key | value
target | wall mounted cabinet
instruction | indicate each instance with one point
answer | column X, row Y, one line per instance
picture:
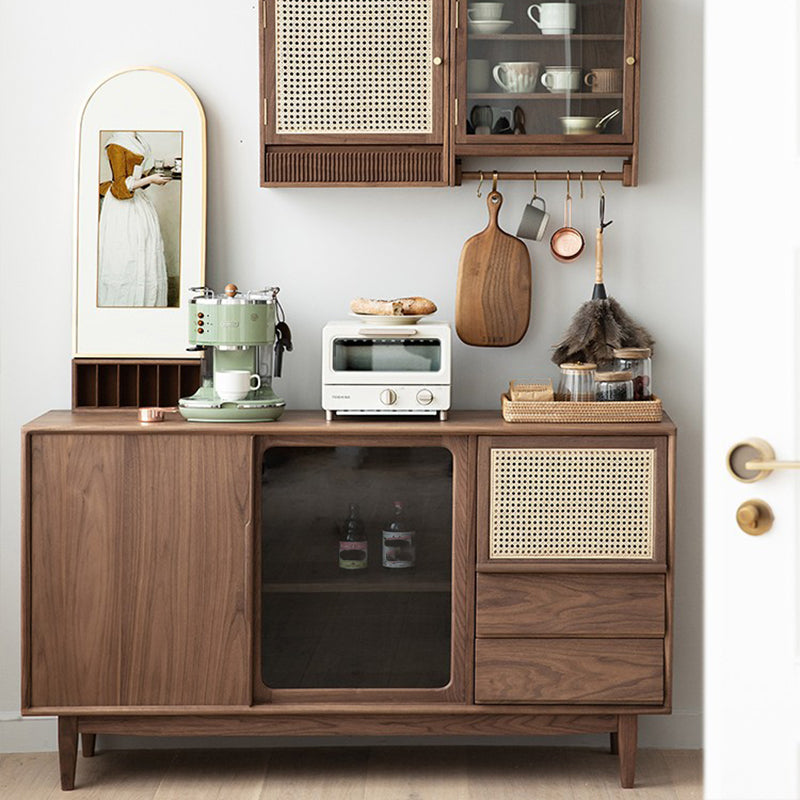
column 384, row 92
column 183, row 578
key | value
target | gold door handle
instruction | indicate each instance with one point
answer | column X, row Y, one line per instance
column 754, row 459
column 754, row 517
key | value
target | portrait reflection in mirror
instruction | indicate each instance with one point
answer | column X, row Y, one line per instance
column 140, row 219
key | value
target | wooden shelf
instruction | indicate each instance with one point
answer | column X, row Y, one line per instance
column 543, row 96
column 329, row 578
column 538, row 37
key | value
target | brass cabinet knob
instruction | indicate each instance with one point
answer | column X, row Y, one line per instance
column 630, row 61
column 437, row 61
column 754, row 517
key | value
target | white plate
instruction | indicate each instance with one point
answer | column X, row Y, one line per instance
column 489, row 25
column 385, row 319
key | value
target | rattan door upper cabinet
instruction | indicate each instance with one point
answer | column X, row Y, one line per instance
column 586, row 502
column 549, row 79
column 353, row 92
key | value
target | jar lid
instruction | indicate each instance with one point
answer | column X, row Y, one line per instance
column 612, row 377
column 633, row 352
column 578, row 367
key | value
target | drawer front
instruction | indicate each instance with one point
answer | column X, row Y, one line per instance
column 569, row 671
column 570, row 605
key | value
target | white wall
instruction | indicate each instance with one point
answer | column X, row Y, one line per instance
column 325, row 246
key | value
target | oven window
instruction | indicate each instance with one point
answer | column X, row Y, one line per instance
column 387, row 355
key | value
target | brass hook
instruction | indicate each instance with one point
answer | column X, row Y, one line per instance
column 599, row 177
column 581, row 184
column 494, row 181
column 535, row 193
column 480, row 183
column 568, row 194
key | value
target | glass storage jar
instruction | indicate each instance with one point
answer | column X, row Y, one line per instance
column 637, row 361
column 613, row 386
column 577, row 383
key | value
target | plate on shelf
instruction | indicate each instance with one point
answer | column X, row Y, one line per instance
column 489, row 26
column 385, row 319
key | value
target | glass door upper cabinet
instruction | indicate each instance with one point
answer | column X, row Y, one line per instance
column 556, row 72
column 354, row 71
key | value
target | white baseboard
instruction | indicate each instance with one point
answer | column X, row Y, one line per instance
column 682, row 730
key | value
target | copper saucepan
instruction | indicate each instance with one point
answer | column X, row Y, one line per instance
column 567, row 243
column 154, row 413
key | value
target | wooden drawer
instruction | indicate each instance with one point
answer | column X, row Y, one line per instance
column 569, row 671
column 570, row 605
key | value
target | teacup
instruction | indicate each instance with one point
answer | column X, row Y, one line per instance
column 517, row 77
column 606, row 80
column 482, row 12
column 534, row 220
column 234, row 384
column 554, row 18
column 478, row 75
column 562, row 79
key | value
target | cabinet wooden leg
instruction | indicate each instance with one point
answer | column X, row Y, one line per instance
column 614, row 743
column 67, row 750
column 627, row 728
column 87, row 744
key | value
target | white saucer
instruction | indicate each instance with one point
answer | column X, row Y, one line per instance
column 489, row 26
column 385, row 319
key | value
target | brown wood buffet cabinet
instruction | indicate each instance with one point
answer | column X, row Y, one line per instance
column 400, row 92
column 184, row 579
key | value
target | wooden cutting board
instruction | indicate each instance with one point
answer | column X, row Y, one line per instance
column 493, row 296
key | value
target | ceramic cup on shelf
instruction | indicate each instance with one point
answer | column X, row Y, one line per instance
column 554, row 18
column 478, row 75
column 517, row 77
column 604, row 80
column 562, row 79
column 484, row 12
column 481, row 118
column 234, row 384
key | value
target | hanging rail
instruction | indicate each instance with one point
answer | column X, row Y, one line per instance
column 476, row 175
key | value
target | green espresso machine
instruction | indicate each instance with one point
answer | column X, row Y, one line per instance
column 237, row 332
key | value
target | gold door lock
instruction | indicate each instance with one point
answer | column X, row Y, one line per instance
column 754, row 517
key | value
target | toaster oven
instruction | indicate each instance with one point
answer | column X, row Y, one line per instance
column 386, row 369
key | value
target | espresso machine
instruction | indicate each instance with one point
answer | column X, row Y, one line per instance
column 243, row 337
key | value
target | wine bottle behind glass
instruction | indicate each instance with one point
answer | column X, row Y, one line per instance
column 353, row 545
column 399, row 546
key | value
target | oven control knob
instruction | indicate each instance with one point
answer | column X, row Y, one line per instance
column 388, row 397
column 424, row 397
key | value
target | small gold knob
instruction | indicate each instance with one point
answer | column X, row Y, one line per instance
column 754, row 517
column 437, row 61
column 630, row 61
column 231, row 289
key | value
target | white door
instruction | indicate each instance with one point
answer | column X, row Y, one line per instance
column 752, row 264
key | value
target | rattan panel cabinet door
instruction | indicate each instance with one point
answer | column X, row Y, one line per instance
column 137, row 575
column 587, row 500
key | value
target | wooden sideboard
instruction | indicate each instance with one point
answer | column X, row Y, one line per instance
column 181, row 578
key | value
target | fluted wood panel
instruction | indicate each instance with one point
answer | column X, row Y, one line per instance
column 362, row 166
column 139, row 570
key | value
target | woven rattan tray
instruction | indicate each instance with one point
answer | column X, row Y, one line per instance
column 630, row 411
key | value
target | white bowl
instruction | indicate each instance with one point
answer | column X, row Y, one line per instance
column 489, row 25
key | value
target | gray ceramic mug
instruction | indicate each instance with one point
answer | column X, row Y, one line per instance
column 534, row 220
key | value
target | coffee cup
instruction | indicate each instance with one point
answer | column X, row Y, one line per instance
column 562, row 79
column 483, row 12
column 534, row 220
column 517, row 77
column 478, row 75
column 554, row 18
column 606, row 80
column 234, row 384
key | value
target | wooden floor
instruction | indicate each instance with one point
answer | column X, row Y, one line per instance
column 377, row 773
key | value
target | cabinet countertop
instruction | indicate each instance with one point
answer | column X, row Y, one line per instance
column 293, row 423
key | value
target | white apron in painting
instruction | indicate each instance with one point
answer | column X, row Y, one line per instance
column 132, row 269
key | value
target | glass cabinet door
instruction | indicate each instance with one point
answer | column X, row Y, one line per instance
column 356, row 568
column 556, row 72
